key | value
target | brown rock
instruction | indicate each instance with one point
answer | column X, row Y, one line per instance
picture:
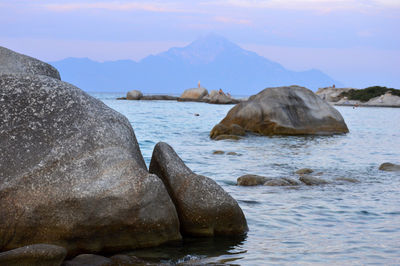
column 252, row 180
column 304, row 171
column 232, row 137
column 312, row 181
column 389, row 167
column 204, row 208
column 284, row 111
column 218, row 152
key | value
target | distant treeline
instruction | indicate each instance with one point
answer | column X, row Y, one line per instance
column 364, row 95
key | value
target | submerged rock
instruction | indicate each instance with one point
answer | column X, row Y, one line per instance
column 312, row 181
column 32, row 255
column 347, row 179
column 218, row 152
column 134, row 95
column 284, row 111
column 389, row 167
column 252, row 180
column 15, row 63
column 304, row 171
column 72, row 174
column 204, row 208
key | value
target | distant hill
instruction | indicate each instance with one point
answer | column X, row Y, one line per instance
column 215, row 61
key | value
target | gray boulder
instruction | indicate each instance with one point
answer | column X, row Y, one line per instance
column 134, row 95
column 389, row 167
column 304, row 171
column 204, row 208
column 38, row 254
column 14, row 63
column 72, row 174
column 290, row 110
column 216, row 98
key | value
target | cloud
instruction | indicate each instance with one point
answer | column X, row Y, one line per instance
column 115, row 6
column 316, row 5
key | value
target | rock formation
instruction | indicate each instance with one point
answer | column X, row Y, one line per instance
column 204, row 208
column 72, row 174
column 194, row 94
column 290, row 110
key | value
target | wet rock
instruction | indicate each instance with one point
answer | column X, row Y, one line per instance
column 121, row 98
column 389, row 167
column 232, row 153
column 221, row 129
column 252, row 180
column 88, row 259
column 194, row 94
column 231, row 137
column 291, row 181
column 72, row 174
column 204, row 208
column 304, row 171
column 290, row 110
column 218, row 152
column 347, row 179
column 312, row 181
column 32, row 255
column 134, row 95
column 282, row 182
column 15, row 63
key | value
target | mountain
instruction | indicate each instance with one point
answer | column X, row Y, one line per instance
column 215, row 61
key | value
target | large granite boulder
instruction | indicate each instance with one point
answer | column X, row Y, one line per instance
column 220, row 98
column 34, row 255
column 194, row 94
column 204, row 208
column 12, row 63
column 290, row 110
column 134, row 95
column 72, row 174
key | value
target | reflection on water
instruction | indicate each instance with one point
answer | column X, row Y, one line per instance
column 341, row 223
column 195, row 250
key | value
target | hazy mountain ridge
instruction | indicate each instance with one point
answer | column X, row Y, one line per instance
column 215, row 61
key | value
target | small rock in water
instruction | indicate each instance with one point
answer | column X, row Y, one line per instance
column 304, row 171
column 232, row 153
column 312, row 181
column 277, row 182
column 218, row 152
column 252, row 180
column 196, row 114
column 347, row 179
column 389, row 167
column 291, row 181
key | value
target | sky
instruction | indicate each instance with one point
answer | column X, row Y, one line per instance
column 356, row 42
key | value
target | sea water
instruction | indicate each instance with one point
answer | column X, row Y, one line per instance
column 340, row 223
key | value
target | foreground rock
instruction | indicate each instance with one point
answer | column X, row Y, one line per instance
column 15, row 63
column 204, row 208
column 72, row 174
column 194, row 94
column 284, row 111
column 134, row 95
column 38, row 254
column 389, row 167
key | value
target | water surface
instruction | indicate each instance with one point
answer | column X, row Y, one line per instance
column 344, row 224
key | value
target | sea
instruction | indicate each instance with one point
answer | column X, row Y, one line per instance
column 341, row 223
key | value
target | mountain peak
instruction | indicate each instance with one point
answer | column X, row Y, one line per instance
column 203, row 50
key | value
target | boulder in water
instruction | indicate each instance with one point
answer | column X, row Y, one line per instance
column 290, row 110
column 72, row 174
column 204, row 208
column 312, row 181
column 194, row 94
column 134, row 95
column 252, row 180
